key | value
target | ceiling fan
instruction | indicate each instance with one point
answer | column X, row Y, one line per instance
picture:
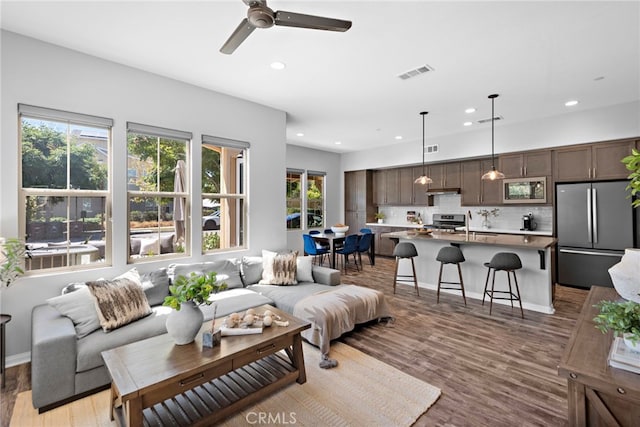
column 261, row 16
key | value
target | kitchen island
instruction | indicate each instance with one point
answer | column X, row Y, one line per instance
column 535, row 279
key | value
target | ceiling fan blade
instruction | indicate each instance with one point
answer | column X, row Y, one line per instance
column 290, row 19
column 238, row 36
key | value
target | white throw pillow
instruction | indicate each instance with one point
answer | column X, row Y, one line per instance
column 304, row 269
column 149, row 247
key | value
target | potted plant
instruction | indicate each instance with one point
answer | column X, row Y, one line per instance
column 380, row 217
column 485, row 214
column 186, row 294
column 632, row 162
column 11, row 258
column 621, row 317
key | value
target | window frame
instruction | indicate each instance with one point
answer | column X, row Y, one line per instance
column 304, row 199
column 170, row 134
column 239, row 223
column 70, row 119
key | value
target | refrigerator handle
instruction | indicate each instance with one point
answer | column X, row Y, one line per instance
column 589, row 223
column 595, row 215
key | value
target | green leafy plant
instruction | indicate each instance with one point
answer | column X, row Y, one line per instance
column 210, row 241
column 379, row 215
column 486, row 213
column 632, row 162
column 13, row 251
column 619, row 317
column 195, row 287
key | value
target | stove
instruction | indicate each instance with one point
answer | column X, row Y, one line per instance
column 447, row 222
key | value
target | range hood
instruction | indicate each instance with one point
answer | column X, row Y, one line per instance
column 439, row 191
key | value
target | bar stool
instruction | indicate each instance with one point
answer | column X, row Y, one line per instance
column 503, row 261
column 450, row 255
column 405, row 250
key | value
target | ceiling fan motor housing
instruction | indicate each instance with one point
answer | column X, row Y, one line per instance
column 261, row 16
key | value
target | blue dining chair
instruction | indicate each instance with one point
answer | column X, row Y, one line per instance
column 312, row 232
column 366, row 231
column 350, row 247
column 364, row 245
column 310, row 248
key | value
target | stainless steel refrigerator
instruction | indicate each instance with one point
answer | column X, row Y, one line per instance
column 594, row 223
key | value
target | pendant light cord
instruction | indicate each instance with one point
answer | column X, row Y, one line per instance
column 424, row 113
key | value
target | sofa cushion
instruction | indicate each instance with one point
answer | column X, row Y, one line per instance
column 228, row 271
column 156, row 285
column 251, row 270
column 149, row 246
column 304, row 269
column 90, row 347
column 119, row 302
column 278, row 268
column 78, row 306
column 77, row 303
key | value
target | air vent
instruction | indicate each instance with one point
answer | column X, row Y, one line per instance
column 415, row 72
column 489, row 119
column 428, row 149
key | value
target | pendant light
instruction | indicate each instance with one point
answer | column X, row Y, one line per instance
column 493, row 174
column 423, row 179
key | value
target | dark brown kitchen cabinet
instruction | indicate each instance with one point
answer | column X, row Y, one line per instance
column 387, row 187
column 358, row 199
column 527, row 164
column 444, row 175
column 592, row 162
column 475, row 191
column 405, row 186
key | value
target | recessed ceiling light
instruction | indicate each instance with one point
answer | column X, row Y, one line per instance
column 399, row 137
column 338, row 142
column 467, row 123
column 278, row 65
column 571, row 103
column 470, row 110
column 299, row 134
column 599, row 78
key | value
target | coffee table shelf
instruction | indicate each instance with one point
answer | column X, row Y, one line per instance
column 221, row 397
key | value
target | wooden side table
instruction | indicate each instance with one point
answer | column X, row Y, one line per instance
column 4, row 318
column 598, row 394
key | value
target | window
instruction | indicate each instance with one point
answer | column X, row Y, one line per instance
column 64, row 188
column 157, row 191
column 294, row 199
column 311, row 201
column 224, row 215
column 315, row 199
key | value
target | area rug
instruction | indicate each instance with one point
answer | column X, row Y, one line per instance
column 360, row 391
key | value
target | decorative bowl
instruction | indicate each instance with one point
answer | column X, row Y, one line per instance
column 340, row 230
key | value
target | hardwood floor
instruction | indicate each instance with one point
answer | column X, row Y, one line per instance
column 497, row 370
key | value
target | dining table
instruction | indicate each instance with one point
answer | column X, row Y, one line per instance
column 336, row 241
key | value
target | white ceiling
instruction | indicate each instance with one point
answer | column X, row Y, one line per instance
column 344, row 86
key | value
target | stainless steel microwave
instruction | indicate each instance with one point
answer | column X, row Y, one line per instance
column 525, row 190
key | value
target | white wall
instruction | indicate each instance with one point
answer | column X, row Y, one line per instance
column 317, row 160
column 45, row 75
column 613, row 122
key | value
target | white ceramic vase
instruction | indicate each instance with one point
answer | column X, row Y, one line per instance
column 625, row 275
column 183, row 325
column 630, row 344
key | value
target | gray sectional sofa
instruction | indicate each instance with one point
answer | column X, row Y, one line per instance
column 66, row 361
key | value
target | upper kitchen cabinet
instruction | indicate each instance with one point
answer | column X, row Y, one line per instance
column 444, row 176
column 393, row 187
column 420, row 196
column 475, row 191
column 527, row 164
column 358, row 190
column 592, row 162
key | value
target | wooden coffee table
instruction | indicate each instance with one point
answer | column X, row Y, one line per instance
column 156, row 382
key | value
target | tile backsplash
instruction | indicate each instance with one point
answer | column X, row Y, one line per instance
column 509, row 217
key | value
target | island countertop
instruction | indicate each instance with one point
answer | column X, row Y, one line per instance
column 509, row 240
